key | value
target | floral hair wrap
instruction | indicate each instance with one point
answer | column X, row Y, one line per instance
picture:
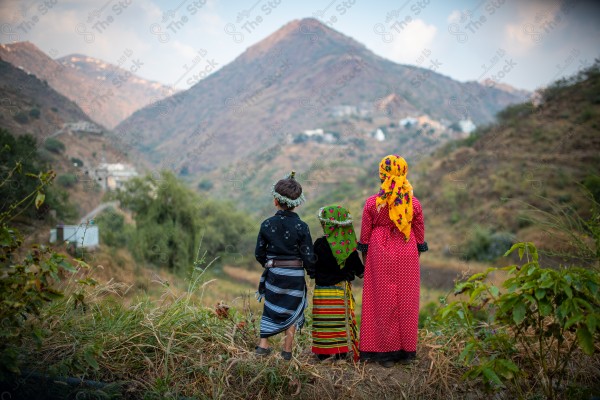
column 337, row 225
column 286, row 200
column 396, row 192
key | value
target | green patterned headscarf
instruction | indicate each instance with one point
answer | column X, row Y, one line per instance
column 337, row 224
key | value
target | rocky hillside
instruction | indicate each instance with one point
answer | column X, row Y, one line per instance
column 107, row 93
column 477, row 190
column 305, row 76
column 30, row 105
column 68, row 141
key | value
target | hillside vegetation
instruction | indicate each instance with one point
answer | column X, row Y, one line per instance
column 485, row 189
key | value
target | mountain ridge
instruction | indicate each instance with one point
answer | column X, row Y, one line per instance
column 106, row 102
column 297, row 76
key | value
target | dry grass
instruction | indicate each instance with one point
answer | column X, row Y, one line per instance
column 174, row 345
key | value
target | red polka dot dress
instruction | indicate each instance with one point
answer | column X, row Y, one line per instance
column 390, row 309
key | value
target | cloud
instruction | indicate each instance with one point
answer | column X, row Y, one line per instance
column 412, row 40
column 532, row 21
column 184, row 50
column 454, row 17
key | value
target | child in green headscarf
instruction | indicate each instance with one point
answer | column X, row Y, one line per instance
column 334, row 329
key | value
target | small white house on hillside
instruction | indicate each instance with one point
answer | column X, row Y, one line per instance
column 83, row 235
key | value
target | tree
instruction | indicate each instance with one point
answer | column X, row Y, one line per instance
column 171, row 220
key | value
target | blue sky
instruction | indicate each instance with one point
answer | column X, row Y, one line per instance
column 526, row 44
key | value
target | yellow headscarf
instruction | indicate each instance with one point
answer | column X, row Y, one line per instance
column 397, row 192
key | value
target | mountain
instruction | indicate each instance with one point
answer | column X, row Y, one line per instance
column 304, row 76
column 106, row 92
column 77, row 146
column 30, row 105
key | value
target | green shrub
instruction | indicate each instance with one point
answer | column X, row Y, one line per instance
column 54, row 145
column 67, row 180
column 27, row 283
column 113, row 231
column 514, row 112
column 592, row 183
column 21, row 117
column 205, row 184
column 76, row 162
column 35, row 113
column 485, row 245
column 549, row 313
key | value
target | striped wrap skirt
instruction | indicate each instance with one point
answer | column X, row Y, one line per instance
column 284, row 292
column 334, row 328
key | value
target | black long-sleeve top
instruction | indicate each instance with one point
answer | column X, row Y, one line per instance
column 327, row 270
column 285, row 236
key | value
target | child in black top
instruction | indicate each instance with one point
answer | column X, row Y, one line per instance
column 284, row 248
column 334, row 325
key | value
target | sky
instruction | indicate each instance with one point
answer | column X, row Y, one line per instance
column 525, row 44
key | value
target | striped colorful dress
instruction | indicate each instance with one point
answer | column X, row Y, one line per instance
column 334, row 329
column 283, row 236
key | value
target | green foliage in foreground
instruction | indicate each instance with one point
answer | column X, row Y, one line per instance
column 20, row 164
column 27, row 282
column 172, row 222
column 549, row 314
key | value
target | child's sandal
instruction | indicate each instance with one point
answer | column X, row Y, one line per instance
column 261, row 351
column 287, row 355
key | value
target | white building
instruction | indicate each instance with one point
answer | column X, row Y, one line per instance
column 379, row 135
column 82, row 126
column 466, row 125
column 83, row 235
column 113, row 176
column 408, row 122
column 343, row 110
column 313, row 132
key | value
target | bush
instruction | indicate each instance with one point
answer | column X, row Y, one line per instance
column 27, row 283
column 301, row 138
column 21, row 117
column 67, row 180
column 592, row 183
column 547, row 313
column 34, row 113
column 76, row 162
column 205, row 184
column 113, row 231
column 485, row 245
column 514, row 112
column 54, row 145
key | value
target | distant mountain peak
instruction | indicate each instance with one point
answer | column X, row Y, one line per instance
column 108, row 92
column 20, row 45
column 301, row 32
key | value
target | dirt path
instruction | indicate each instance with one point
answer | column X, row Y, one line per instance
column 97, row 210
column 431, row 277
